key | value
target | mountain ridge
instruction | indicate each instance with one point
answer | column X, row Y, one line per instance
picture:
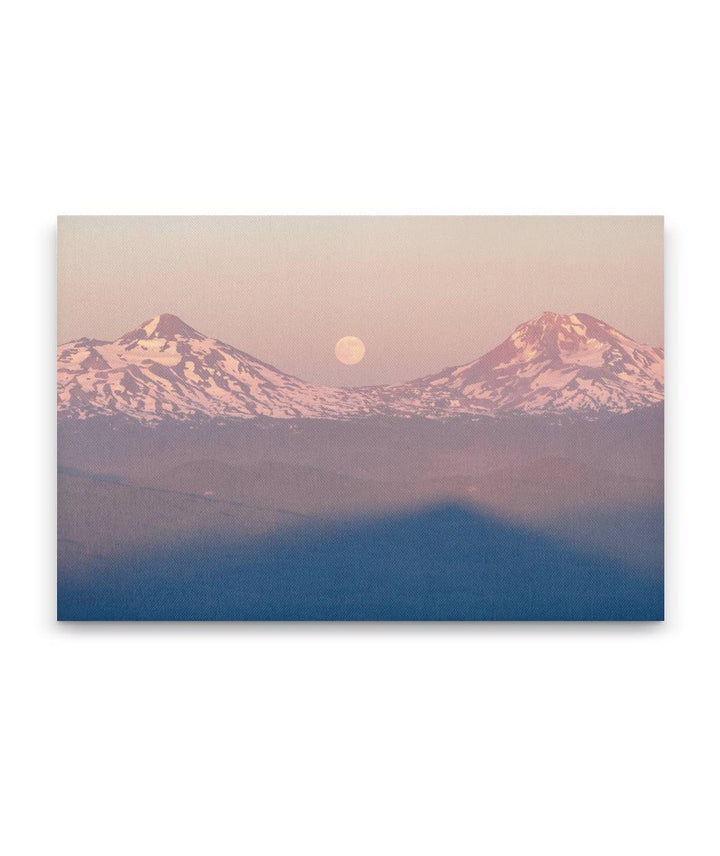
column 165, row 369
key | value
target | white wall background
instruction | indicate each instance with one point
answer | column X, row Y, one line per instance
column 359, row 739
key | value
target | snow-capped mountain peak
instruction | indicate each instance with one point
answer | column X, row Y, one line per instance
column 166, row 369
column 165, row 326
column 557, row 363
column 565, row 335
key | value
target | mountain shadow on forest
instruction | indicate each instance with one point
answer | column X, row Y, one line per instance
column 442, row 563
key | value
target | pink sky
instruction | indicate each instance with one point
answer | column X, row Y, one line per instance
column 421, row 292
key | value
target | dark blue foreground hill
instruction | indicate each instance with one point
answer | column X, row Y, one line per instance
column 445, row 563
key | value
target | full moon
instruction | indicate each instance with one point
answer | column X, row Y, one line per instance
column 350, row 350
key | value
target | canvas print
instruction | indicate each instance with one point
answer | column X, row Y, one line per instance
column 360, row 418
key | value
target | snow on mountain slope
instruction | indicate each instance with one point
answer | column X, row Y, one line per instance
column 553, row 364
column 165, row 369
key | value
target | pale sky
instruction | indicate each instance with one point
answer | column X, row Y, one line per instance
column 422, row 293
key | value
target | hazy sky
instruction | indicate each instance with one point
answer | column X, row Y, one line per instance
column 422, row 293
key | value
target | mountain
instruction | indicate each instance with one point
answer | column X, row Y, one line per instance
column 552, row 364
column 165, row 369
